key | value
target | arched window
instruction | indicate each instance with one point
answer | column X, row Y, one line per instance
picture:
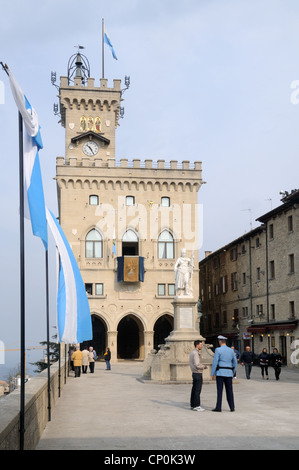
column 165, row 245
column 94, row 244
column 130, row 244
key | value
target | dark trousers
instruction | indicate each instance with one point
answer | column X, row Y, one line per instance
column 91, row 367
column 77, row 371
column 228, row 383
column 264, row 369
column 277, row 371
column 196, row 390
column 248, row 367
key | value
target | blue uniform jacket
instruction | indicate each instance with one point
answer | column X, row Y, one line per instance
column 224, row 357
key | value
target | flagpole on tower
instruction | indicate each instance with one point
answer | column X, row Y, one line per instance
column 106, row 39
column 103, row 76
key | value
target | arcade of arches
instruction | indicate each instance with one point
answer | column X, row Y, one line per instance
column 130, row 336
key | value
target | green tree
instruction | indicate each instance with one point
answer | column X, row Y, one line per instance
column 53, row 353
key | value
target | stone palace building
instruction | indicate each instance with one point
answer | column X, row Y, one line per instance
column 126, row 221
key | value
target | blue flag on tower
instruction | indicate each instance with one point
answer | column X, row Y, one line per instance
column 107, row 41
column 114, row 243
column 74, row 319
column 34, row 202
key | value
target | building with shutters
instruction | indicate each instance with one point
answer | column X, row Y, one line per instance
column 249, row 288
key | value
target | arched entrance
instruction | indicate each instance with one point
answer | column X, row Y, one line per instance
column 162, row 328
column 99, row 336
column 130, row 338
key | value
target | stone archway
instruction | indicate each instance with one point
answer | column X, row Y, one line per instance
column 130, row 338
column 99, row 336
column 162, row 328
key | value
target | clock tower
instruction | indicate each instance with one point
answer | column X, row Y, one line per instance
column 126, row 221
column 89, row 114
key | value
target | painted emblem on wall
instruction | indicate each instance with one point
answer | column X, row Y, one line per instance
column 90, row 124
column 131, row 269
column 83, row 126
column 97, row 124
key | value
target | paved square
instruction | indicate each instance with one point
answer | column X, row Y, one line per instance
column 113, row 410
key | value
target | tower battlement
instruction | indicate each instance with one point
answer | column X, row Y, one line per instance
column 170, row 176
column 125, row 163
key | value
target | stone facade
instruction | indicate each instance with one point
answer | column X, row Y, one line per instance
column 249, row 289
column 143, row 210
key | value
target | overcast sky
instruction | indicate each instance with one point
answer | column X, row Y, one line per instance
column 211, row 80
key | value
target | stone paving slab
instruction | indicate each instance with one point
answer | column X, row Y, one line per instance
column 114, row 410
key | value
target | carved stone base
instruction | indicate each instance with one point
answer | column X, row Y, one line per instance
column 171, row 363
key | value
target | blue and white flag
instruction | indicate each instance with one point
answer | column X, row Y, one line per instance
column 74, row 319
column 107, row 41
column 34, row 203
column 114, row 243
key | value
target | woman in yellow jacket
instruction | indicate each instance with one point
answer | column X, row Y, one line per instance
column 77, row 357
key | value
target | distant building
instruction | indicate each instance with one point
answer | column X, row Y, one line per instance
column 4, row 388
column 249, row 289
column 126, row 221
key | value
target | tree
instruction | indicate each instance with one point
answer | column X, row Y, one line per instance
column 54, row 355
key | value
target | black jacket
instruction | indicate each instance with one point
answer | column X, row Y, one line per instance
column 276, row 360
column 264, row 359
column 247, row 356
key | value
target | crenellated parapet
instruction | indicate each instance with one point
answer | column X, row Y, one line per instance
column 90, row 97
column 89, row 173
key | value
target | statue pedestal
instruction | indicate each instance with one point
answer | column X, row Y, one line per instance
column 171, row 362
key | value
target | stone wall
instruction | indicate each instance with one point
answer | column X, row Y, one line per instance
column 36, row 409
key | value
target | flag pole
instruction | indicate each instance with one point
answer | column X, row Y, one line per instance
column 22, row 284
column 22, row 277
column 48, row 335
column 103, row 76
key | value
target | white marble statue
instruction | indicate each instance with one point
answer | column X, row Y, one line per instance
column 183, row 275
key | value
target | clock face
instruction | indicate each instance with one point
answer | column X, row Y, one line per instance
column 90, row 148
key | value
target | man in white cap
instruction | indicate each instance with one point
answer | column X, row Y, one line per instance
column 223, row 367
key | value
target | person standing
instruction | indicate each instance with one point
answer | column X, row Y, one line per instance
column 264, row 363
column 77, row 358
column 107, row 357
column 238, row 355
column 247, row 358
column 197, row 368
column 276, row 362
column 91, row 359
column 85, row 360
column 224, row 367
column 72, row 349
